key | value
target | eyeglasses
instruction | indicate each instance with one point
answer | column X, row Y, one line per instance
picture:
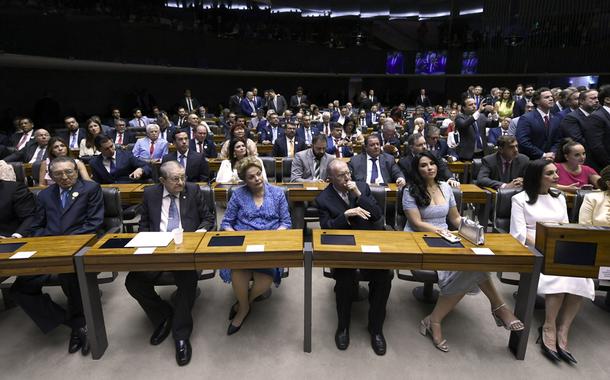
column 67, row 173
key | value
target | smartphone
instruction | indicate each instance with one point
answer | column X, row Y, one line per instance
column 588, row 186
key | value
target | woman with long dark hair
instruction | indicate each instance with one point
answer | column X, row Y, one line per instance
column 505, row 105
column 228, row 167
column 571, row 168
column 539, row 202
column 58, row 148
column 87, row 145
column 428, row 204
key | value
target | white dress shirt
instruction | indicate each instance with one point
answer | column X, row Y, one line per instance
column 165, row 210
column 369, row 169
column 107, row 162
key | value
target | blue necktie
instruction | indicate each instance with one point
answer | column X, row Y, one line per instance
column 182, row 163
column 112, row 166
column 477, row 136
column 173, row 217
column 64, row 198
column 374, row 172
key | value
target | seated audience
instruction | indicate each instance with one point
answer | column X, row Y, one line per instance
column 389, row 138
column 34, row 151
column 116, row 166
column 58, row 148
column 439, row 146
column 289, row 144
column 310, row 165
column 571, row 168
column 238, row 131
column 195, row 164
column 121, row 135
column 374, row 166
column 202, row 143
column 429, row 205
column 505, row 168
column 24, row 134
column 439, row 113
column 150, row 148
column 256, row 206
column 74, row 134
column 227, row 173
column 594, row 208
column 87, row 146
column 337, row 144
column 416, row 143
column 563, row 295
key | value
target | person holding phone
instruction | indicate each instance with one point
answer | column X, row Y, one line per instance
column 573, row 173
column 472, row 125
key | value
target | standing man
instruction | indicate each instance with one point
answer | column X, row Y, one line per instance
column 311, row 165
column 375, row 167
column 248, row 106
column 68, row 207
column 195, row 164
column 189, row 103
column 298, row 100
column 597, row 132
column 538, row 131
column 472, row 125
column 166, row 206
column 235, row 101
column 519, row 107
column 346, row 204
column 422, row 100
column 276, row 102
column 573, row 124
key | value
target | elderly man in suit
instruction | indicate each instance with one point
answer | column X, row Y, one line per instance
column 290, row 144
column 150, row 148
column 310, row 165
column 346, row 204
column 195, row 164
column 597, row 132
column 68, row 207
column 121, row 135
column 248, row 106
column 472, row 125
column 172, row 204
column 116, row 166
column 74, row 133
column 538, row 131
column 18, row 206
column 202, row 144
column 373, row 166
column 35, row 151
column 505, row 168
column 573, row 124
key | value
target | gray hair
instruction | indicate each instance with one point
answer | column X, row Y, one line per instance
column 150, row 126
column 167, row 166
column 59, row 160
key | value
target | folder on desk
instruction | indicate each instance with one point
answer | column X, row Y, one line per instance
column 115, row 243
column 150, row 239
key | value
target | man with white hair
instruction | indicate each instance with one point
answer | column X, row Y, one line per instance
column 35, row 151
column 248, row 107
column 150, row 148
column 388, row 138
column 325, row 127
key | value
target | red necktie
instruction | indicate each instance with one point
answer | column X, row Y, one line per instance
column 152, row 149
column 337, row 149
column 120, row 139
column 22, row 141
column 546, row 121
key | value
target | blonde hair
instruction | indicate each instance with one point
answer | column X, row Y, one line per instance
column 246, row 163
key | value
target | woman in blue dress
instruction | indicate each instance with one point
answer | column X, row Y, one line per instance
column 256, row 206
column 428, row 204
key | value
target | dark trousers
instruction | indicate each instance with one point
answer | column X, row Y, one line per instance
column 380, row 283
column 27, row 293
column 141, row 286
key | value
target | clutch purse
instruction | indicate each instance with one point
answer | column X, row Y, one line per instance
column 472, row 231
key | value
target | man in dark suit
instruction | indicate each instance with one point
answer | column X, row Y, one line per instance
column 121, row 135
column 116, row 166
column 289, row 144
column 494, row 133
column 202, row 144
column 597, row 132
column 336, row 144
column 422, row 99
column 472, row 125
column 180, row 119
column 519, row 107
column 25, row 134
column 573, row 124
column 505, row 168
column 35, row 151
column 372, row 117
column 247, row 105
column 271, row 131
column 18, row 206
column 439, row 146
column 362, row 121
column 258, row 101
column 115, row 114
column 416, row 143
column 166, row 206
column 298, row 100
column 235, row 101
column 306, row 131
column 345, row 204
column 276, row 102
column 74, row 133
column 571, row 103
column 373, row 166
column 195, row 164
column 538, row 131
column 189, row 103
column 372, row 97
column 68, row 207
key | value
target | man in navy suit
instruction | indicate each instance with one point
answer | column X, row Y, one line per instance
column 271, row 131
column 258, row 101
column 336, row 144
column 276, row 102
column 68, row 207
column 373, row 166
column 74, row 134
column 346, row 204
column 248, row 107
column 189, row 103
column 307, row 131
column 172, row 204
column 597, row 132
column 372, row 118
column 571, row 103
column 121, row 135
column 34, row 151
column 116, row 166
column 538, row 131
column 235, row 101
column 202, row 144
column 439, row 146
column 519, row 107
column 495, row 133
column 422, row 99
column 573, row 124
column 289, row 144
column 195, row 164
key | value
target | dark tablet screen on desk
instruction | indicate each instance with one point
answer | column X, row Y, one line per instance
column 338, row 239
column 10, row 247
column 226, row 241
column 575, row 253
column 439, row 242
column 115, row 243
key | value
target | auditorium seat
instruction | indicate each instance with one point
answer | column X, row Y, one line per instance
column 501, row 222
column 286, row 169
column 269, row 163
column 580, row 196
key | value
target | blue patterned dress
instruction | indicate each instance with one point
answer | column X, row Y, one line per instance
column 242, row 214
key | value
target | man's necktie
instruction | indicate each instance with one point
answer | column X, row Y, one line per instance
column 152, row 149
column 119, row 139
column 173, row 217
column 316, row 169
column 275, row 103
column 290, row 147
column 189, row 103
column 200, row 147
column 477, row 136
column 40, row 154
column 112, row 166
column 504, row 132
column 308, row 136
column 546, row 121
column 374, row 171
column 273, row 134
column 181, row 160
column 22, row 142
column 73, row 141
column 506, row 171
column 337, row 149
column 140, row 123
column 64, row 198
column 252, row 106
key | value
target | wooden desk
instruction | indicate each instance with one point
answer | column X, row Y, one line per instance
column 54, row 254
column 89, row 262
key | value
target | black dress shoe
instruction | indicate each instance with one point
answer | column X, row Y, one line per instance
column 342, row 339
column 183, row 352
column 566, row 355
column 161, row 332
column 378, row 343
column 78, row 341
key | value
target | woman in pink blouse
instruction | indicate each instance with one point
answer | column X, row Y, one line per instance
column 573, row 173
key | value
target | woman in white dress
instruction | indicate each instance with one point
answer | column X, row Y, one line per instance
column 563, row 295
column 227, row 172
column 87, row 145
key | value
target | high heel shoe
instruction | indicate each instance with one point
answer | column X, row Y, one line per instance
column 515, row 325
column 425, row 329
column 566, row 355
column 233, row 312
column 233, row 329
column 550, row 354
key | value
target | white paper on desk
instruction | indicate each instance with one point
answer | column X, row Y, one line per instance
column 311, row 188
column 370, row 248
column 150, row 239
column 145, row 251
column 482, row 251
column 604, row 273
column 23, row 255
column 255, row 248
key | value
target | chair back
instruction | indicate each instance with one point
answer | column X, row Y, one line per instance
column 269, row 163
column 503, row 209
column 379, row 193
column 208, row 199
column 580, row 196
column 36, row 172
column 286, row 169
column 475, row 167
column 113, row 212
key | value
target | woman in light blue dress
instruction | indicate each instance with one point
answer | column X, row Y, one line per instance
column 256, row 206
column 428, row 204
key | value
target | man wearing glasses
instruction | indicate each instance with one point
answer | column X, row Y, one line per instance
column 70, row 206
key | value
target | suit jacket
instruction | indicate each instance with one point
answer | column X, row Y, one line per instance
column 129, row 137
column 179, row 122
column 281, row 105
column 209, row 148
column 389, row 170
column 195, row 103
column 370, row 121
column 442, row 149
column 280, row 147
column 84, row 212
column 294, row 102
column 466, row 126
column 424, row 103
column 125, row 164
column 245, row 108
column 405, row 165
column 18, row 207
column 563, row 113
column 494, row 134
column 168, row 134
column 573, row 125
column 235, row 104
column 133, row 123
column 519, row 107
column 66, row 136
column 26, row 154
column 303, row 166
column 197, row 168
column 301, row 132
column 490, row 174
column 194, row 213
column 332, row 209
column 533, row 137
column 556, row 108
column 266, row 133
column 16, row 137
column 597, row 136
column 331, row 148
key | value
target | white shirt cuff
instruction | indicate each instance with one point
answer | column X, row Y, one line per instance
column 476, row 115
column 17, row 235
